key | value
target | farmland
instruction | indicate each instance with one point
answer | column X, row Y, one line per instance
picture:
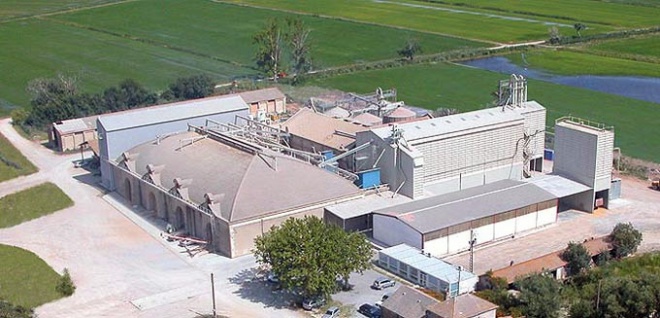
column 452, row 86
column 568, row 62
column 11, row 9
column 645, row 47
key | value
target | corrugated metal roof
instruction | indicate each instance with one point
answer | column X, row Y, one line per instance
column 428, row 264
column 558, row 186
column 478, row 119
column 439, row 212
column 366, row 205
column 170, row 112
column 75, row 125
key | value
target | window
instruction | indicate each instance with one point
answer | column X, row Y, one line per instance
column 403, row 269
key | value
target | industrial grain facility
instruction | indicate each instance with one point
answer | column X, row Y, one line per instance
column 121, row 131
column 222, row 189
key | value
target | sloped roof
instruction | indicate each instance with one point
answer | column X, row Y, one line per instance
column 322, row 129
column 408, row 302
column 250, row 185
column 428, row 264
column 368, row 119
column 439, row 212
column 463, row 306
column 75, row 125
column 171, row 112
column 261, row 95
column 402, row 112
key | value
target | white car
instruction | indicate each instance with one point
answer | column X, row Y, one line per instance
column 332, row 312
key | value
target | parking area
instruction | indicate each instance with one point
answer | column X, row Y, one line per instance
column 362, row 292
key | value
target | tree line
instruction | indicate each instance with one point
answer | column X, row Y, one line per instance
column 60, row 98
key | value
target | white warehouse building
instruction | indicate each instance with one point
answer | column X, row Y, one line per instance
column 446, row 224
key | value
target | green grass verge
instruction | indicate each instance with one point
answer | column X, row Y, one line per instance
column 32, row 203
column 462, row 21
column 25, row 279
column 564, row 62
column 13, row 156
column 10, row 9
column 453, row 86
column 225, row 31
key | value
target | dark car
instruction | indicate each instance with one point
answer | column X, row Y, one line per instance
column 382, row 282
column 370, row 311
column 314, row 302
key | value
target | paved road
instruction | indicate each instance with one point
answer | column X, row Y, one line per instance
column 118, row 266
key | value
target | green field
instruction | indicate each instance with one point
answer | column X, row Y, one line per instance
column 565, row 62
column 25, row 279
column 11, row 154
column 623, row 14
column 453, row 86
column 472, row 23
column 10, row 9
column 32, row 203
column 648, row 47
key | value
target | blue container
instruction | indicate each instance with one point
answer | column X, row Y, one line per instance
column 549, row 154
column 369, row 178
column 327, row 154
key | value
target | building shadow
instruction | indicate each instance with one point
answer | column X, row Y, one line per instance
column 254, row 287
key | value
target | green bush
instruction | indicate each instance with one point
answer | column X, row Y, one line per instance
column 65, row 286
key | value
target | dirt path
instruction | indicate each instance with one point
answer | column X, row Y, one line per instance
column 115, row 263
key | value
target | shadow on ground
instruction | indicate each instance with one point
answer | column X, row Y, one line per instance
column 254, row 287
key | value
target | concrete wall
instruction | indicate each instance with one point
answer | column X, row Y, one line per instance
column 391, row 231
column 575, row 154
column 114, row 143
column 72, row 141
column 464, row 181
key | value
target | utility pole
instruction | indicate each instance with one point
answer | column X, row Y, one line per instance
column 213, row 294
column 472, row 242
column 598, row 297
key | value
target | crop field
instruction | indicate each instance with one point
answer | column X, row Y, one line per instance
column 154, row 42
column 463, row 88
column 498, row 21
column 647, row 47
column 12, row 9
column 566, row 62
column 25, row 279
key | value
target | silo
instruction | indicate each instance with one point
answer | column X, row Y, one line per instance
column 401, row 114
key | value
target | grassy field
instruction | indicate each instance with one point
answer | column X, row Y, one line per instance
column 11, row 154
column 648, row 46
column 225, row 31
column 565, row 62
column 25, row 279
column 453, row 86
column 10, row 9
column 32, row 203
column 464, row 21
column 625, row 14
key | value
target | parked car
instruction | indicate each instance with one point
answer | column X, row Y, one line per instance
column 332, row 312
column 370, row 311
column 383, row 282
column 314, row 302
column 382, row 299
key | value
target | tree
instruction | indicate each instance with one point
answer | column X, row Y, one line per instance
column 555, row 36
column 297, row 38
column 51, row 100
column 577, row 257
column 410, row 49
column 269, row 48
column 192, row 87
column 625, row 239
column 579, row 27
column 65, row 285
column 539, row 296
column 307, row 255
column 442, row 112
